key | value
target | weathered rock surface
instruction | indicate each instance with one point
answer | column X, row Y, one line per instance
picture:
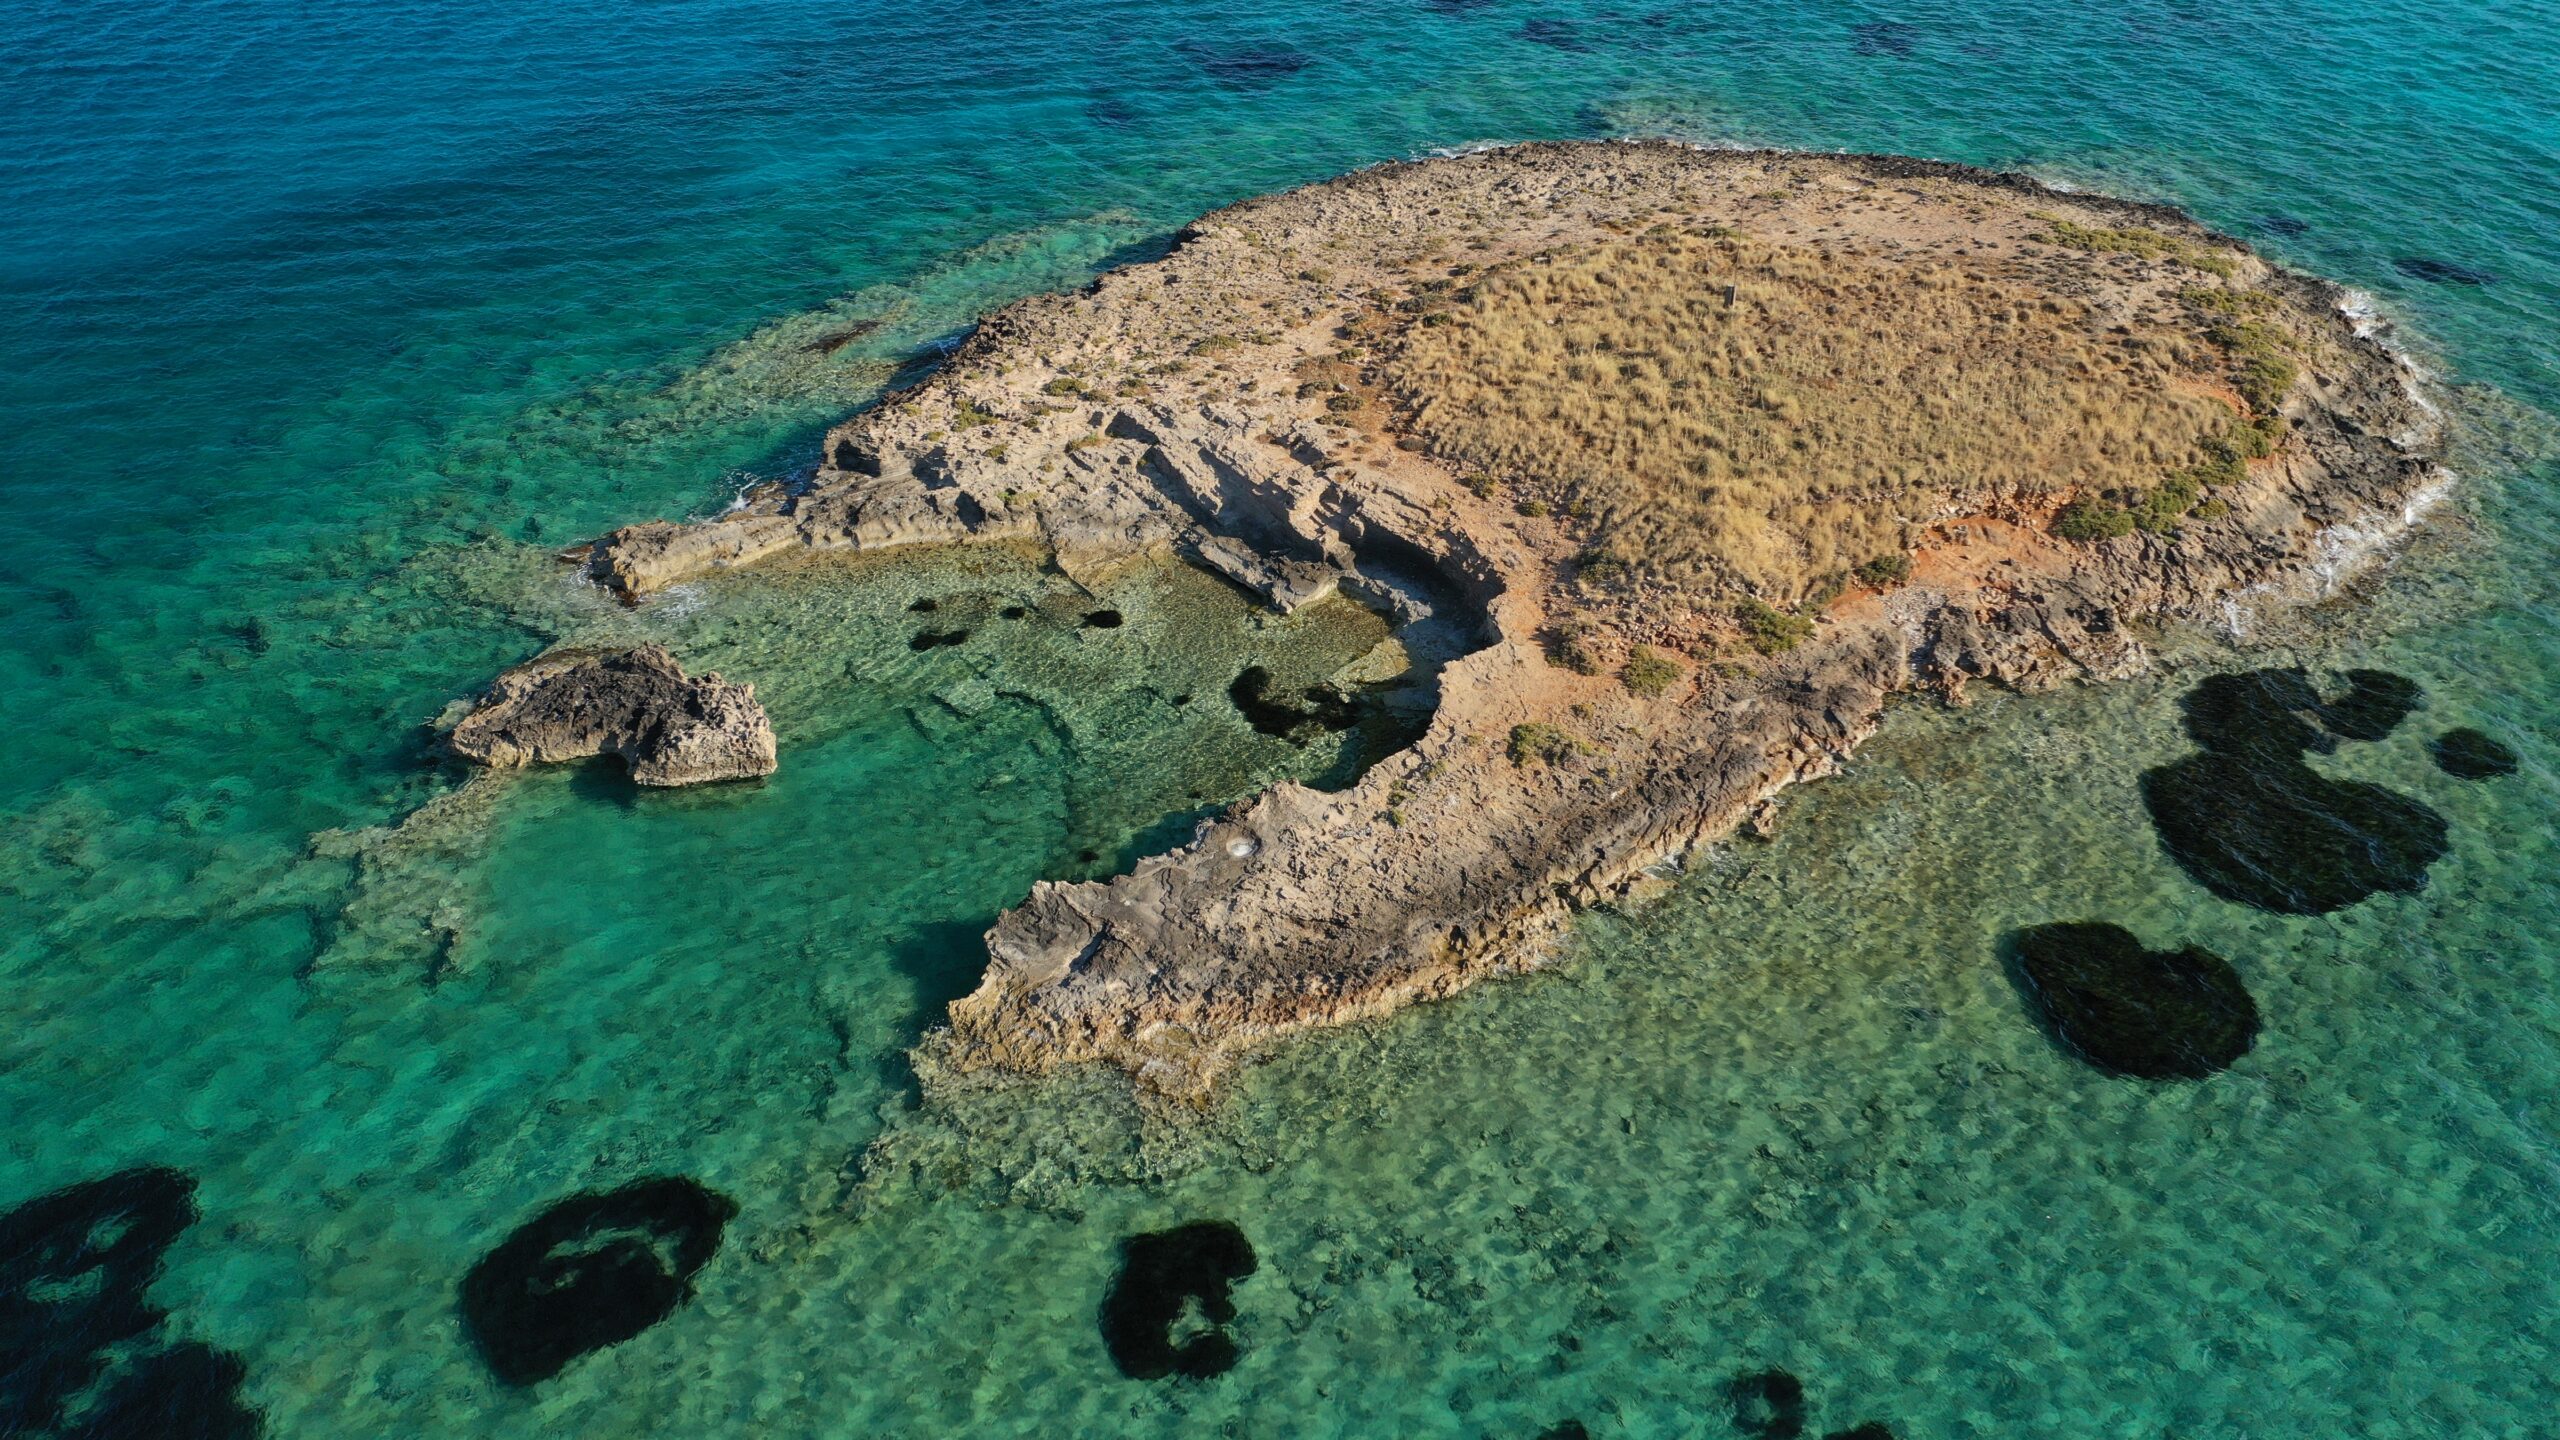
column 1163, row 410
column 669, row 728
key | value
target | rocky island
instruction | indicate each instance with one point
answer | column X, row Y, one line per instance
column 1705, row 454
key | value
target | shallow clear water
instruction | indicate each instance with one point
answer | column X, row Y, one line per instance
column 323, row 323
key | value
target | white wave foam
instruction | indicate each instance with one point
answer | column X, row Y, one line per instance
column 679, row 602
column 2339, row 554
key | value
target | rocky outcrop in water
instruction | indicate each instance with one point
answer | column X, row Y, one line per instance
column 1222, row 405
column 638, row 705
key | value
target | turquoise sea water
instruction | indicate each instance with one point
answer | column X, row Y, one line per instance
column 324, row 323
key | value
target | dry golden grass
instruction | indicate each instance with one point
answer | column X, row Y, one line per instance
column 1778, row 442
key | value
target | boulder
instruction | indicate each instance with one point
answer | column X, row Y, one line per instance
column 669, row 728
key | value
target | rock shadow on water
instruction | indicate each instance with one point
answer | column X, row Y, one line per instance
column 1168, row 1310
column 2130, row 1010
column 76, row 1268
column 594, row 1270
column 2248, row 819
column 2468, row 754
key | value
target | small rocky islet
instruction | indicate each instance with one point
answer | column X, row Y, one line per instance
column 1630, row 429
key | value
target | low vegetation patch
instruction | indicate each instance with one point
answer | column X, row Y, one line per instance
column 1648, row 672
column 1538, row 743
column 1768, row 444
column 1769, row 630
column 2134, row 240
column 1884, row 570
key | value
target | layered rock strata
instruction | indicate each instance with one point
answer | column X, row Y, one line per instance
column 1185, row 406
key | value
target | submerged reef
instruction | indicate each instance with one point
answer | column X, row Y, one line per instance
column 2468, row 754
column 1768, row 1404
column 2133, row 1011
column 1188, row 1270
column 2253, row 823
column 1391, row 386
column 77, row 1351
column 1320, row 707
column 2442, row 272
column 594, row 1270
column 638, row 705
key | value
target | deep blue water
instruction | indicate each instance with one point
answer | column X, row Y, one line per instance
column 321, row 322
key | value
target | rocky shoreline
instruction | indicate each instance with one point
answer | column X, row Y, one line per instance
column 1181, row 406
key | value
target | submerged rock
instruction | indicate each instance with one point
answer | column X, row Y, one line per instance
column 2468, row 754
column 1871, row 1430
column 1320, row 707
column 592, row 1271
column 2443, row 272
column 76, row 1266
column 1162, row 1275
column 1245, row 67
column 2250, row 821
column 190, row 1391
column 2150, row 1014
column 1768, row 1404
column 2374, row 705
column 1894, row 39
column 639, row 705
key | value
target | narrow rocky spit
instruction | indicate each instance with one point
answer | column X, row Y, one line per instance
column 1234, row 404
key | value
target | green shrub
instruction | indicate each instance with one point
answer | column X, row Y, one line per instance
column 2262, row 368
column 1546, row 744
column 970, row 415
column 1770, row 631
column 1572, row 650
column 2134, row 240
column 1534, row 509
column 2220, row 301
column 1067, row 385
column 1649, row 672
column 2159, row 512
column 1600, row 566
column 2090, row 520
column 1885, row 570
